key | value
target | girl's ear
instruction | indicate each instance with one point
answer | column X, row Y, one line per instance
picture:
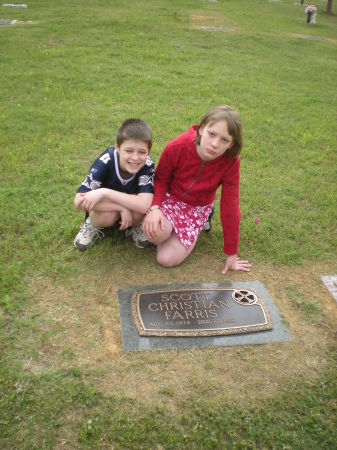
column 116, row 147
column 232, row 144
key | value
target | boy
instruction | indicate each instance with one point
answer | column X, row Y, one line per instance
column 118, row 187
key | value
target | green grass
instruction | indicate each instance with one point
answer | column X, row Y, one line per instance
column 308, row 422
column 67, row 80
column 310, row 309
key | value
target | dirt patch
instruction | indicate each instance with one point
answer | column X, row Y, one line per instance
column 210, row 23
column 78, row 325
column 218, row 29
column 312, row 37
column 197, row 17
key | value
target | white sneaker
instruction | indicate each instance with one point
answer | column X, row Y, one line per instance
column 138, row 236
column 85, row 237
column 207, row 225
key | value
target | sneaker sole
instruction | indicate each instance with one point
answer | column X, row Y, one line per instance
column 207, row 228
column 82, row 247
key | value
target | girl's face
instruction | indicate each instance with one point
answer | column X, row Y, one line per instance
column 215, row 140
column 132, row 155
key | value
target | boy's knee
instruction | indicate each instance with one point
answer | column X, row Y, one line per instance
column 101, row 220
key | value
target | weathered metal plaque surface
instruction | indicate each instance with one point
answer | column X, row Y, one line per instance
column 199, row 312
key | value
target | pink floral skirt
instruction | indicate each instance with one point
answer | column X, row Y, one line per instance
column 187, row 220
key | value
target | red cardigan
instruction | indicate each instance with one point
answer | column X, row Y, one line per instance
column 182, row 173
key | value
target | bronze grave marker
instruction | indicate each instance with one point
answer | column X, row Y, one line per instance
column 196, row 312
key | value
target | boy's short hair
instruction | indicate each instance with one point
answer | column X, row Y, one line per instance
column 134, row 129
column 229, row 115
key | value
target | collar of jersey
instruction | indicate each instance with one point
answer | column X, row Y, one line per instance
column 121, row 179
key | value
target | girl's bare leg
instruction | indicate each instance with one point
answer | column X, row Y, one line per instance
column 163, row 234
column 171, row 252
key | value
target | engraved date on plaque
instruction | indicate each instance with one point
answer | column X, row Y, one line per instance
column 199, row 312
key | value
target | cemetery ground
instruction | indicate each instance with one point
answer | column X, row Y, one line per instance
column 70, row 73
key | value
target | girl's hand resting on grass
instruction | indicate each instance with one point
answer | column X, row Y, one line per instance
column 233, row 262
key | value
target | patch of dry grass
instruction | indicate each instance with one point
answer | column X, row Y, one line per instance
column 200, row 20
column 86, row 333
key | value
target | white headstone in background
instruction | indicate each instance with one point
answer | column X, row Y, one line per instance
column 7, row 22
column 14, row 5
column 330, row 282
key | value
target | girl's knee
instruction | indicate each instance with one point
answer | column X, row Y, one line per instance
column 170, row 257
column 171, row 252
column 167, row 260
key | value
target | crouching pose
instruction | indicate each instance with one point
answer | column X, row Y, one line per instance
column 190, row 170
column 118, row 187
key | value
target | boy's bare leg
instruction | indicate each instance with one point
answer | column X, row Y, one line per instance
column 104, row 219
column 137, row 218
column 171, row 252
column 107, row 213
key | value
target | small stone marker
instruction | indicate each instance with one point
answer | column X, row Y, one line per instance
column 330, row 282
column 14, row 5
column 7, row 22
column 217, row 29
column 312, row 37
column 198, row 312
column 239, row 313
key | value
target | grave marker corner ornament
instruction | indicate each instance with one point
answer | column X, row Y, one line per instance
column 199, row 312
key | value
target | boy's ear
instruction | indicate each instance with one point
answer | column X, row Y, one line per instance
column 116, row 147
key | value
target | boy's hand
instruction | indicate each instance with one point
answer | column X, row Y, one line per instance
column 233, row 262
column 126, row 219
column 92, row 198
column 153, row 224
column 78, row 200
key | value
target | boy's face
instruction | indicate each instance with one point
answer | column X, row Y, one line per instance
column 132, row 155
column 215, row 140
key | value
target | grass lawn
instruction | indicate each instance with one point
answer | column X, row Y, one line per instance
column 70, row 72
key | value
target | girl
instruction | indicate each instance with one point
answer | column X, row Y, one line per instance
column 190, row 170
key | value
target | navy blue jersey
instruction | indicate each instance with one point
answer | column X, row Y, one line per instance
column 105, row 173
